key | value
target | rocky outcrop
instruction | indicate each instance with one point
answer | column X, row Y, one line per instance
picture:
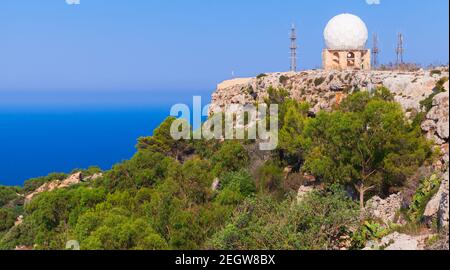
column 436, row 124
column 386, row 210
column 215, row 185
column 19, row 220
column 73, row 179
column 438, row 207
column 23, row 248
column 397, row 241
column 323, row 89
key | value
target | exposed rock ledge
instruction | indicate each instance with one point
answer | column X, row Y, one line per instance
column 397, row 241
column 322, row 89
column 73, row 179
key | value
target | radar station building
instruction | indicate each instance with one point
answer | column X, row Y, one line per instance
column 345, row 39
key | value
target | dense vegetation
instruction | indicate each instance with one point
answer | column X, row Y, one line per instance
column 162, row 198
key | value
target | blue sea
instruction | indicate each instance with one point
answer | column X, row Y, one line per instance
column 35, row 141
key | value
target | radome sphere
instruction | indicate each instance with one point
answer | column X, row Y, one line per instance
column 346, row 32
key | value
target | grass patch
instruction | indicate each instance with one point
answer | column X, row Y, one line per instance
column 435, row 72
column 260, row 76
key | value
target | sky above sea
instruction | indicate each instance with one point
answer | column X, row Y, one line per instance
column 38, row 140
column 80, row 83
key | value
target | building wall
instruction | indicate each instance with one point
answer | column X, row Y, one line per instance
column 338, row 60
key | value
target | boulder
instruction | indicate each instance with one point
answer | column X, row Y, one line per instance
column 18, row 221
column 215, row 185
column 93, row 177
column 73, row 179
column 397, row 241
column 438, row 206
column 443, row 213
column 437, row 122
column 386, row 210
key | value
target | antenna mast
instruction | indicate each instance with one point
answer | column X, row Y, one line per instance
column 400, row 49
column 293, row 49
column 375, row 51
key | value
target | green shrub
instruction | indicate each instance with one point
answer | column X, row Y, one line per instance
column 368, row 231
column 319, row 81
column 263, row 223
column 262, row 75
column 270, row 178
column 231, row 157
column 440, row 84
column 276, row 96
column 427, row 103
column 427, row 189
column 283, row 79
column 435, row 72
column 7, row 194
column 240, row 181
column 6, row 219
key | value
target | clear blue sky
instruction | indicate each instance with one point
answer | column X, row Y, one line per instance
column 165, row 46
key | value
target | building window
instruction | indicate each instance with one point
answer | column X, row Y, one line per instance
column 351, row 59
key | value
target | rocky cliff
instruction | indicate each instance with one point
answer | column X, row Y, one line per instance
column 325, row 89
column 322, row 89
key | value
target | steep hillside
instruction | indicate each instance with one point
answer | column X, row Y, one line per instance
column 353, row 170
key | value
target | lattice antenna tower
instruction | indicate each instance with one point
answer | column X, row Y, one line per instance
column 400, row 49
column 375, row 51
column 293, row 48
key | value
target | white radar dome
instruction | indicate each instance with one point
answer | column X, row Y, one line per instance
column 346, row 32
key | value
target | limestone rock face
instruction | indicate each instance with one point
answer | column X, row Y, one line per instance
column 385, row 210
column 323, row 89
column 443, row 213
column 57, row 184
column 437, row 121
column 438, row 206
column 397, row 241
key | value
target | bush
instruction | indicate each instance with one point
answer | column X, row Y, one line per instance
column 270, row 179
column 144, row 169
column 319, row 81
column 6, row 219
column 427, row 103
column 240, row 181
column 262, row 223
column 276, row 96
column 372, row 146
column 368, row 232
column 7, row 194
column 427, row 189
column 435, row 72
column 231, row 157
column 262, row 75
column 283, row 79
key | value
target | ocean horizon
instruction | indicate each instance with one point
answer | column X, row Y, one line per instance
column 36, row 140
